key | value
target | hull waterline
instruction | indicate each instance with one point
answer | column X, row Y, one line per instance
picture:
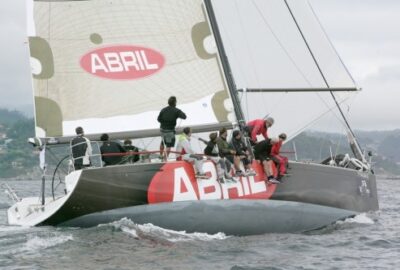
column 233, row 217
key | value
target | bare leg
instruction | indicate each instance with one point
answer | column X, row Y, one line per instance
column 236, row 162
column 267, row 167
column 167, row 151
column 161, row 148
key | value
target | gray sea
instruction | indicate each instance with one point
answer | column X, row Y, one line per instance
column 364, row 242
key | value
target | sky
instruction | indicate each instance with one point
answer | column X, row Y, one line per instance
column 364, row 32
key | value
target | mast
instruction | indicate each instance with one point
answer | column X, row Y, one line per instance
column 225, row 64
column 356, row 149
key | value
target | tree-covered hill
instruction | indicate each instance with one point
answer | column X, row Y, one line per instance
column 9, row 117
column 18, row 159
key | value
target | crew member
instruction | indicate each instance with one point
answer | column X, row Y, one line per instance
column 81, row 150
column 262, row 153
column 212, row 153
column 280, row 161
column 111, row 152
column 242, row 154
column 132, row 152
column 258, row 127
column 167, row 118
column 225, row 150
column 188, row 153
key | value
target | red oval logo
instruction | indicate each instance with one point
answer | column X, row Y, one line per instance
column 122, row 62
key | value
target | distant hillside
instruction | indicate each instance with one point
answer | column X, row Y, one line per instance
column 317, row 146
column 384, row 145
column 8, row 117
column 16, row 155
column 18, row 159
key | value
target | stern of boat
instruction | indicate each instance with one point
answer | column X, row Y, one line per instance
column 31, row 211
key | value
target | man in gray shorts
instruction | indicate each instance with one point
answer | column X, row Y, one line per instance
column 167, row 119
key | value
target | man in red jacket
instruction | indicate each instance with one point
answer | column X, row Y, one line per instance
column 258, row 127
column 280, row 161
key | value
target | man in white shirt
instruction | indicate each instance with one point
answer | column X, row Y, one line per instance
column 187, row 153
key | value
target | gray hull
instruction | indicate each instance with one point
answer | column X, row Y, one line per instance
column 311, row 196
column 233, row 217
column 330, row 186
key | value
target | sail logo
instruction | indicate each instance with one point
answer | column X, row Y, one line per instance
column 176, row 182
column 122, row 62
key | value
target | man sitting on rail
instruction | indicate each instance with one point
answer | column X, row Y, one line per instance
column 262, row 153
column 187, row 153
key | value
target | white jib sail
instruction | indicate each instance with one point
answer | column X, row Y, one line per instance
column 266, row 50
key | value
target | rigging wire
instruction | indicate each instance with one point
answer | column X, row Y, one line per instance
column 357, row 146
column 297, row 67
column 275, row 105
column 281, row 44
column 330, row 42
column 247, row 40
column 311, row 123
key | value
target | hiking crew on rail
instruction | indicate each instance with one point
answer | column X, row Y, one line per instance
column 222, row 153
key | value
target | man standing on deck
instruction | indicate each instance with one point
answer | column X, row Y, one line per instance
column 81, row 150
column 167, row 119
column 258, row 127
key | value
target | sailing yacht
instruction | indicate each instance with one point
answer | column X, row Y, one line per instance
column 110, row 66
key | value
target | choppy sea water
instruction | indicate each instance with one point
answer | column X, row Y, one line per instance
column 363, row 242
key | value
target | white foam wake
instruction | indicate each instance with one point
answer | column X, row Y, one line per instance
column 154, row 232
column 38, row 242
column 362, row 218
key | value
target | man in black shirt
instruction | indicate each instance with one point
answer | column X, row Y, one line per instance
column 111, row 152
column 262, row 152
column 81, row 150
column 132, row 152
column 167, row 119
column 242, row 154
column 212, row 153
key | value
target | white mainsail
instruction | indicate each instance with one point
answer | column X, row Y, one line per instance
column 266, row 47
column 110, row 65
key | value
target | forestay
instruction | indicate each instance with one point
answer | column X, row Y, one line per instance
column 110, row 65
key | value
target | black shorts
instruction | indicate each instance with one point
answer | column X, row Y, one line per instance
column 168, row 138
column 245, row 161
column 262, row 157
